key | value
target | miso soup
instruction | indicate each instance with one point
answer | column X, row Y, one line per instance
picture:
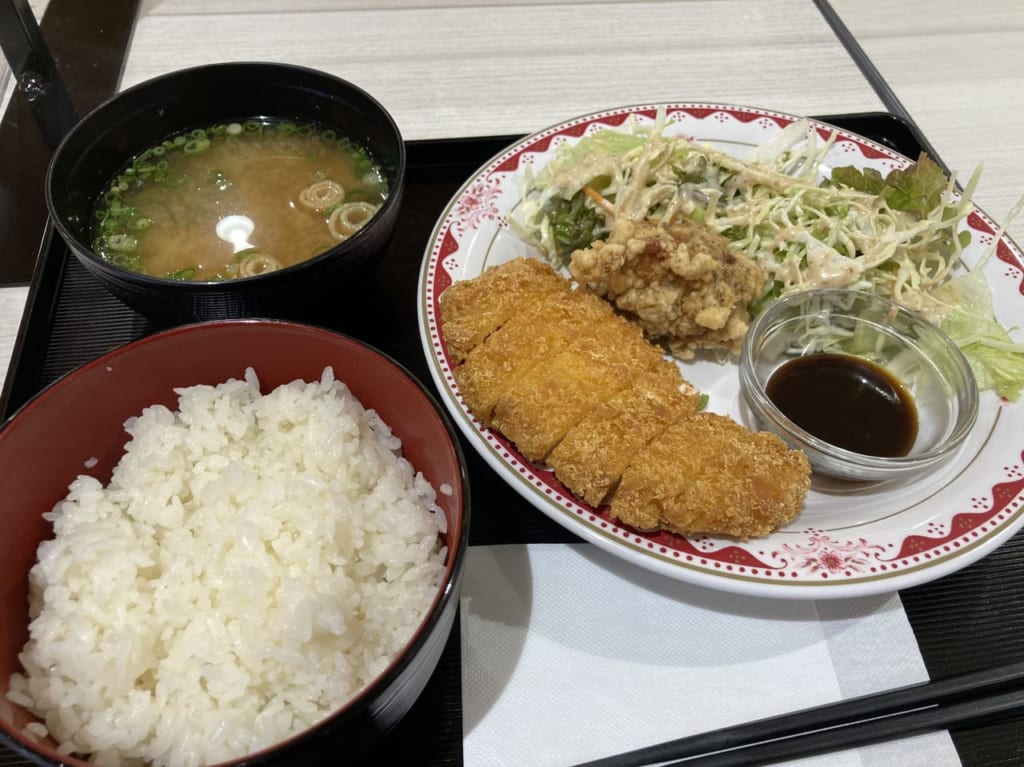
column 236, row 199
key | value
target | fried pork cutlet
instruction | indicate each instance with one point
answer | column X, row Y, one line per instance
column 682, row 282
column 551, row 397
column 473, row 309
column 574, row 384
column 709, row 474
column 534, row 334
column 595, row 452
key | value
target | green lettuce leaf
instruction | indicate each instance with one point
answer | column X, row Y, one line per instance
column 996, row 359
column 916, row 189
column 608, row 142
column 997, row 369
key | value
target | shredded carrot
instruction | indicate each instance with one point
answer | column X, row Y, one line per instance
column 596, row 197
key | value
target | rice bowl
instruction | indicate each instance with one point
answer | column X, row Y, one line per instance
column 258, row 569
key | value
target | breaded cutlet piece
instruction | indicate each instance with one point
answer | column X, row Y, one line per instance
column 594, row 453
column 555, row 394
column 709, row 474
column 569, row 381
column 473, row 309
column 534, row 334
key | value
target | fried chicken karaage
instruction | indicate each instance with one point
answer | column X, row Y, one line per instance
column 682, row 283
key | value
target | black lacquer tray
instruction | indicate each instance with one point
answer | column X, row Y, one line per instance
column 968, row 621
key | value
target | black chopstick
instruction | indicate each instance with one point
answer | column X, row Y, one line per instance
column 34, row 70
column 873, row 76
column 964, row 699
column 861, row 59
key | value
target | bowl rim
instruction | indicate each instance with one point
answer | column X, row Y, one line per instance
column 856, row 465
column 228, row 69
column 440, row 608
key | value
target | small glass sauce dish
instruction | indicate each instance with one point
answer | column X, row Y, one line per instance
column 866, row 388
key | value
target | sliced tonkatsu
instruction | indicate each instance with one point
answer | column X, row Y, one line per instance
column 562, row 388
column 534, row 334
column 575, row 385
column 595, row 452
column 708, row 474
column 473, row 309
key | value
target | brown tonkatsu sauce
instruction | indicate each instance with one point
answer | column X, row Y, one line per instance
column 846, row 401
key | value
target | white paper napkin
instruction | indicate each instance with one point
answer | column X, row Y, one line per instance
column 571, row 654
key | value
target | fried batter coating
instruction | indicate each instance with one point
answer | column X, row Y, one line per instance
column 570, row 381
column 709, row 474
column 592, row 456
column 682, row 283
column 555, row 394
column 473, row 309
column 529, row 337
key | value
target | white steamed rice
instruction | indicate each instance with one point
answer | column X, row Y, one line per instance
column 253, row 563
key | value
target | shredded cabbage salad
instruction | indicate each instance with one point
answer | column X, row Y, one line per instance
column 806, row 224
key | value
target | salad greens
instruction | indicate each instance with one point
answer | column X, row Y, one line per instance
column 969, row 319
column 917, row 188
column 806, row 224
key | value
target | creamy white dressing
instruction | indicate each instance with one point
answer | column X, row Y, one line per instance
column 777, row 210
column 773, row 207
column 827, row 268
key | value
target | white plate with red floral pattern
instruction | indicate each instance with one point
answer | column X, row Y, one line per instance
column 850, row 539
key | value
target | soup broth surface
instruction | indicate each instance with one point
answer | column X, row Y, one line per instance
column 236, row 200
